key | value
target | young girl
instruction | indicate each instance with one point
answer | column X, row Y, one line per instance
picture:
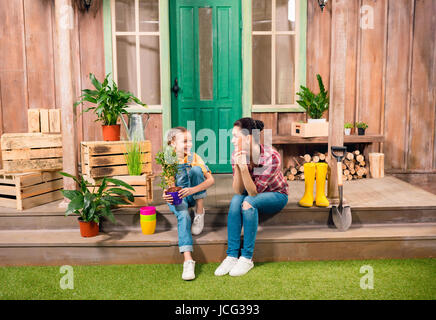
column 194, row 177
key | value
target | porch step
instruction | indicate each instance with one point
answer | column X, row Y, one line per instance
column 53, row 218
column 274, row 243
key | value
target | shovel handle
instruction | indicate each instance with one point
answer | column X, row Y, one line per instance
column 340, row 182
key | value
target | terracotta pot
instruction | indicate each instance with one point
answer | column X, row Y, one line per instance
column 111, row 133
column 88, row 229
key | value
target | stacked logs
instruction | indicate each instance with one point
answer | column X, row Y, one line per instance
column 296, row 169
column 353, row 166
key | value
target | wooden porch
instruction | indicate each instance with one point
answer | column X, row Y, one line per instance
column 391, row 219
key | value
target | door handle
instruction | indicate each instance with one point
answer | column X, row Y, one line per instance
column 175, row 88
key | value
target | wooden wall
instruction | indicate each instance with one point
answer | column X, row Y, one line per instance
column 391, row 72
column 27, row 65
column 390, row 77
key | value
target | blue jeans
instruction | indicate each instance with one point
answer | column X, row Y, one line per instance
column 267, row 202
column 187, row 177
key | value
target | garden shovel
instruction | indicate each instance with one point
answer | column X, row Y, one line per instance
column 341, row 214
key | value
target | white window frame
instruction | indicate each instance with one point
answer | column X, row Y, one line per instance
column 273, row 33
column 137, row 34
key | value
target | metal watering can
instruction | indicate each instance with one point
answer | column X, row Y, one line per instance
column 135, row 127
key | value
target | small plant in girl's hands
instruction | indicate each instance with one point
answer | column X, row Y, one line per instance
column 167, row 159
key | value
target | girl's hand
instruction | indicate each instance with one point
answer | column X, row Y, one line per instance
column 240, row 158
column 186, row 192
column 167, row 197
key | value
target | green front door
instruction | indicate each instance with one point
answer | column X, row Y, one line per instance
column 206, row 62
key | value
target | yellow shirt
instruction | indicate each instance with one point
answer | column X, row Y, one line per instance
column 196, row 161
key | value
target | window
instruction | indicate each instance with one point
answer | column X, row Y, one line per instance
column 136, row 51
column 275, row 45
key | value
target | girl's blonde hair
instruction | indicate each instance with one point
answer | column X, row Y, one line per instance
column 173, row 132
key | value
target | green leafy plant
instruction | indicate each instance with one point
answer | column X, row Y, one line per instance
column 109, row 100
column 348, row 125
column 93, row 204
column 167, row 159
column 361, row 125
column 314, row 104
column 133, row 158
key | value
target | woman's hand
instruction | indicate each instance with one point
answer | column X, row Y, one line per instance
column 241, row 158
column 186, row 192
column 167, row 197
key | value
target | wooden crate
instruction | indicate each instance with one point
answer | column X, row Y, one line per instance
column 107, row 158
column 30, row 152
column 44, row 120
column 28, row 190
column 307, row 130
column 143, row 188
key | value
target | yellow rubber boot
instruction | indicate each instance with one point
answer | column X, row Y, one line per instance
column 321, row 174
column 309, row 180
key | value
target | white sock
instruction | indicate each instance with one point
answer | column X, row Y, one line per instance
column 195, row 212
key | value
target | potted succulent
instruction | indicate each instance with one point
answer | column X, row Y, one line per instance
column 167, row 159
column 314, row 104
column 109, row 104
column 347, row 128
column 92, row 203
column 361, row 127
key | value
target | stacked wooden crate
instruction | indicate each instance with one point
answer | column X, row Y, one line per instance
column 31, row 162
column 27, row 152
column 27, row 190
column 108, row 159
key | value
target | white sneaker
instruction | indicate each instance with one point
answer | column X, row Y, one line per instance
column 226, row 266
column 188, row 270
column 197, row 224
column 242, row 267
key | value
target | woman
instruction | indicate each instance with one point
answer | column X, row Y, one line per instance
column 260, row 187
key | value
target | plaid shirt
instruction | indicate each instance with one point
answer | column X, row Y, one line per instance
column 268, row 175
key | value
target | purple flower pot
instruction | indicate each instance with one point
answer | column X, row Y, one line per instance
column 176, row 199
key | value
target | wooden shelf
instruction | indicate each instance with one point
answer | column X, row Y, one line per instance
column 288, row 139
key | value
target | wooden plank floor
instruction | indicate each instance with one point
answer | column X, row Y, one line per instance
column 388, row 192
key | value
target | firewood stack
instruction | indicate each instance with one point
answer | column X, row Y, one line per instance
column 296, row 169
column 354, row 165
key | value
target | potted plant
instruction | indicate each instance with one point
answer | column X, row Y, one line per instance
column 110, row 103
column 167, row 159
column 361, row 127
column 314, row 104
column 347, row 128
column 91, row 203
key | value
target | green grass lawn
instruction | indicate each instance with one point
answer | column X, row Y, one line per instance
column 393, row 279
